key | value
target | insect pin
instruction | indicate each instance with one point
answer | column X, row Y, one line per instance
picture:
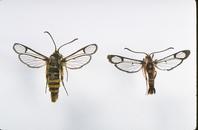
column 56, row 63
column 148, row 64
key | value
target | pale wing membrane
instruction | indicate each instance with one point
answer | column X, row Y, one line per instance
column 78, row 62
column 125, row 64
column 29, row 57
column 21, row 49
column 172, row 61
column 80, row 58
column 31, row 61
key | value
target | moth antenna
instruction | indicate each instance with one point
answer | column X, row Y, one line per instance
column 67, row 43
column 52, row 39
column 135, row 51
column 161, row 51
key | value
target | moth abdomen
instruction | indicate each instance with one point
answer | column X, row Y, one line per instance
column 151, row 89
column 54, row 89
column 54, row 96
column 53, row 81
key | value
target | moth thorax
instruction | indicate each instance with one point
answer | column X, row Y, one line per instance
column 55, row 58
column 147, row 59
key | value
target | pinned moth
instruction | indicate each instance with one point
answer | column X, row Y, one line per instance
column 56, row 63
column 148, row 64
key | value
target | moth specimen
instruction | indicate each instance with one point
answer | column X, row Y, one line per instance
column 56, row 63
column 148, row 64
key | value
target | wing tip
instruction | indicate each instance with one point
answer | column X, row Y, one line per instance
column 187, row 53
column 15, row 47
column 95, row 49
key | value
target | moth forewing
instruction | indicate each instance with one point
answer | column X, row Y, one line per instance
column 22, row 49
column 125, row 64
column 80, row 58
column 85, row 51
column 172, row 61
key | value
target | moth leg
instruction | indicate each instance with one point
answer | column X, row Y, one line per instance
column 147, row 82
column 46, row 81
column 146, row 78
column 62, row 74
column 64, row 86
column 145, row 75
column 155, row 73
column 66, row 74
column 144, row 72
column 46, row 87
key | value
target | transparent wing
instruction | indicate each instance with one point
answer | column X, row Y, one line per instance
column 31, row 61
column 172, row 61
column 29, row 57
column 81, row 57
column 125, row 64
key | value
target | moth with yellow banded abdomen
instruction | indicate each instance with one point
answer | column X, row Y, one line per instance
column 56, row 63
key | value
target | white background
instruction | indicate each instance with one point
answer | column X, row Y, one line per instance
column 100, row 96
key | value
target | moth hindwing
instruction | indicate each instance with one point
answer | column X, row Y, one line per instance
column 148, row 64
column 56, row 63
